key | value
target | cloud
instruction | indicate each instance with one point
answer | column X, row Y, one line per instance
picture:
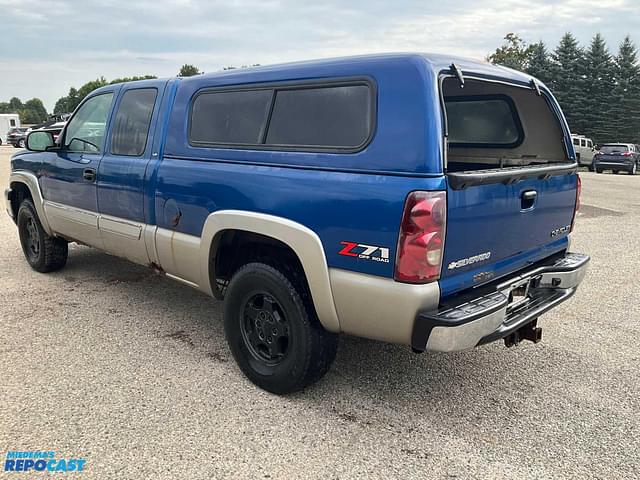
column 74, row 41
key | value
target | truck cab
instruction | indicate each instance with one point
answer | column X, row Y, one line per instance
column 419, row 199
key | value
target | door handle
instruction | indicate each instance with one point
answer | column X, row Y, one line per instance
column 89, row 174
column 528, row 199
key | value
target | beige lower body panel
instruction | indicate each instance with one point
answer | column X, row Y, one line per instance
column 179, row 255
column 74, row 223
column 123, row 238
column 379, row 308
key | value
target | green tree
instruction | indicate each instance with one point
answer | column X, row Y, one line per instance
column 599, row 83
column 15, row 104
column 540, row 65
column 514, row 53
column 569, row 81
column 69, row 103
column 33, row 111
column 132, row 79
column 626, row 93
column 188, row 70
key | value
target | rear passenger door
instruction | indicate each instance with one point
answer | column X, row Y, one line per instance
column 121, row 200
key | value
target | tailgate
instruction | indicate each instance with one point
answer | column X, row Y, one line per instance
column 496, row 229
column 511, row 178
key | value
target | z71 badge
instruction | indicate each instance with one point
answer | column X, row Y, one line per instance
column 365, row 252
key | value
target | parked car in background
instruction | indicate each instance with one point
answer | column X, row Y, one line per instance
column 7, row 122
column 55, row 129
column 616, row 157
column 17, row 136
column 583, row 147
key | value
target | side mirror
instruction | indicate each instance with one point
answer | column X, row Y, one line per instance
column 39, row 141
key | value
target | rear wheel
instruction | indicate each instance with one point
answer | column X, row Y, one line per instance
column 633, row 169
column 275, row 338
column 598, row 170
column 616, row 172
column 43, row 252
column 21, row 143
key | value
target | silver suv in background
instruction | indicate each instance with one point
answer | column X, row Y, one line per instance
column 584, row 149
column 616, row 157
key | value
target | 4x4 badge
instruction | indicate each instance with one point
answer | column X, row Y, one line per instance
column 365, row 252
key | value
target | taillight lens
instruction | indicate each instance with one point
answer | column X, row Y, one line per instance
column 578, row 193
column 627, row 154
column 421, row 240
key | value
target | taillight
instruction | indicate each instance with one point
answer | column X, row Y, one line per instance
column 627, row 154
column 578, row 193
column 421, row 240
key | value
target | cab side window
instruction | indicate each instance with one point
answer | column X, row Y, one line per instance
column 85, row 131
column 131, row 124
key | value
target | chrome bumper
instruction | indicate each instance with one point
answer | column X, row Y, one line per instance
column 513, row 304
column 7, row 201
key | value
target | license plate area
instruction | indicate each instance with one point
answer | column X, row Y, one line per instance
column 519, row 293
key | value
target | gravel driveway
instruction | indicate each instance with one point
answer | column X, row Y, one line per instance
column 111, row 362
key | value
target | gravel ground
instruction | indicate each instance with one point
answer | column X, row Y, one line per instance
column 108, row 361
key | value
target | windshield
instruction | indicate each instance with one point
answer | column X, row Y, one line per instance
column 614, row 149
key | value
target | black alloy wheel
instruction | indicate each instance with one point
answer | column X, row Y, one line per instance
column 265, row 329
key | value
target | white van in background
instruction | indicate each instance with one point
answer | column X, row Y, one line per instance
column 584, row 150
column 7, row 122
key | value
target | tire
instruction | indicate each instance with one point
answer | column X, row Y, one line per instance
column 274, row 336
column 591, row 168
column 598, row 170
column 21, row 143
column 616, row 172
column 43, row 252
column 633, row 169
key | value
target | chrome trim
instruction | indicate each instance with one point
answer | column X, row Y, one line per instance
column 466, row 336
column 7, row 201
column 463, row 326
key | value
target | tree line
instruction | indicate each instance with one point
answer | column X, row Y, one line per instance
column 31, row 111
column 598, row 91
column 68, row 103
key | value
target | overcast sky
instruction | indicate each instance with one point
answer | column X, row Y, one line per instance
column 48, row 46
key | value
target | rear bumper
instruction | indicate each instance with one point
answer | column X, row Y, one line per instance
column 618, row 164
column 494, row 315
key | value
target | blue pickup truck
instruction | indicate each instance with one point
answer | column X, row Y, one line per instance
column 418, row 199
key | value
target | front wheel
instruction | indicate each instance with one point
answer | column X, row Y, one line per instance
column 21, row 143
column 275, row 338
column 43, row 252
